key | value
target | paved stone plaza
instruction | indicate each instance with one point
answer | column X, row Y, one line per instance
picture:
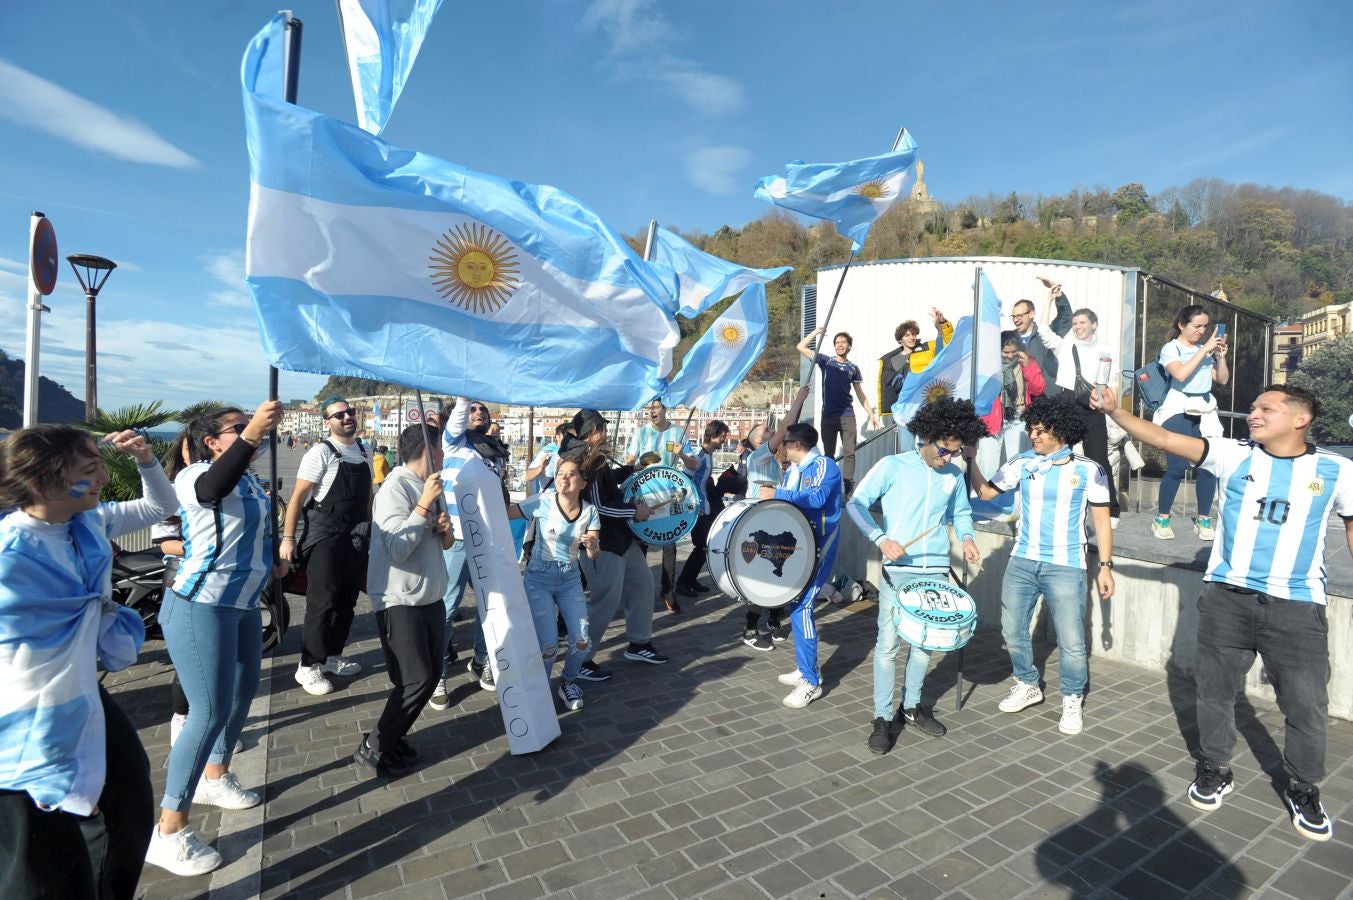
column 691, row 780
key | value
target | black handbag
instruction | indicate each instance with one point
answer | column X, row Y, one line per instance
column 1084, row 389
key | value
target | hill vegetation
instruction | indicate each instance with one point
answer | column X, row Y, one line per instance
column 55, row 403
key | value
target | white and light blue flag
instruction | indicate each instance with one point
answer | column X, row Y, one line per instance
column 851, row 194
column 702, row 279
column 723, row 355
column 382, row 39
column 950, row 374
column 378, row 262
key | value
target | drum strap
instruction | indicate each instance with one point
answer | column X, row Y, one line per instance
column 822, row 553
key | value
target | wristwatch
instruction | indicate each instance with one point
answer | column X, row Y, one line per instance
column 1107, row 564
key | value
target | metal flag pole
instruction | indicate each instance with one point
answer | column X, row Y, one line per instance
column 427, row 442
column 976, row 330
column 291, row 71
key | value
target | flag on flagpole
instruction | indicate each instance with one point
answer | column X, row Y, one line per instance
column 851, row 194
column 723, row 355
column 382, row 39
column 376, row 414
column 702, row 279
column 373, row 261
column 950, row 374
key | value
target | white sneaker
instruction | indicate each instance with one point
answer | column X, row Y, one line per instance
column 312, row 679
column 790, row 679
column 440, row 698
column 803, row 694
column 183, row 852
column 1021, row 696
column 1072, row 721
column 176, row 723
column 340, row 665
column 225, row 792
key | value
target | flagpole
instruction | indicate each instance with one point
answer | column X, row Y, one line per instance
column 976, row 330
column 291, row 71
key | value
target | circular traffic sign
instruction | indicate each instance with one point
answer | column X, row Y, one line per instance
column 413, row 415
column 44, row 258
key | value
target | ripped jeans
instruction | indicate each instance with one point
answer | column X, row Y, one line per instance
column 552, row 585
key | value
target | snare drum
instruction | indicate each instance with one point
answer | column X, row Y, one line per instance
column 935, row 615
column 671, row 495
column 762, row 551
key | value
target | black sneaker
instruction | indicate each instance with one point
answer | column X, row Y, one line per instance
column 483, row 673
column 918, row 718
column 881, row 738
column 1210, row 784
column 644, row 653
column 1308, row 814
column 380, row 765
column 686, row 590
column 699, row 588
column 757, row 640
column 590, row 671
column 779, row 633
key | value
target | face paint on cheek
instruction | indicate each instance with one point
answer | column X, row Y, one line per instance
column 79, row 488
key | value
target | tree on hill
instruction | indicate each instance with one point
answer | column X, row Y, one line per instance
column 1325, row 374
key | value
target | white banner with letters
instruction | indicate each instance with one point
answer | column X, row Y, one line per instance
column 524, row 695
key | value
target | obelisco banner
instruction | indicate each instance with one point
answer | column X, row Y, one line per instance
column 524, row 696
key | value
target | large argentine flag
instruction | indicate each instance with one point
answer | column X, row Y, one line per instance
column 702, row 279
column 950, row 374
column 723, row 355
column 851, row 194
column 382, row 39
column 369, row 260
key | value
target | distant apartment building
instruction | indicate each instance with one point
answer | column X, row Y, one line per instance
column 301, row 420
column 1286, row 352
column 1325, row 324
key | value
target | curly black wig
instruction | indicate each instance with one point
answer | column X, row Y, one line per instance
column 1059, row 415
column 945, row 417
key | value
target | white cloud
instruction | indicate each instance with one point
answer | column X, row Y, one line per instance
column 37, row 103
column 640, row 37
column 227, row 267
column 718, row 170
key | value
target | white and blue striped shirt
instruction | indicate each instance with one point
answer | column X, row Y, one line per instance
column 227, row 545
column 1053, row 503
column 762, row 468
column 704, row 468
column 667, row 443
column 557, row 536
column 1274, row 514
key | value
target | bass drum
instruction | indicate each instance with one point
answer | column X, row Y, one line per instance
column 935, row 615
column 762, row 551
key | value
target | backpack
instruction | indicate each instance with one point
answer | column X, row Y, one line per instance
column 1152, row 383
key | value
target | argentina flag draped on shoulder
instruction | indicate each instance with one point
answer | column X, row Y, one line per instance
column 851, row 194
column 702, row 279
column 382, row 39
column 723, row 355
column 368, row 260
column 951, row 372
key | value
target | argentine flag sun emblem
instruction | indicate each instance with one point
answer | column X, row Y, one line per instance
column 475, row 268
column 877, row 189
column 731, row 334
column 940, row 387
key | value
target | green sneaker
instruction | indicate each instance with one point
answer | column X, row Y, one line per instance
column 1160, row 527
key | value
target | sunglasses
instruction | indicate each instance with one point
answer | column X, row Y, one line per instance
column 945, row 452
column 342, row 414
column 237, row 428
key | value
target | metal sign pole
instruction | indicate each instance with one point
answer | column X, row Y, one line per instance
column 35, row 310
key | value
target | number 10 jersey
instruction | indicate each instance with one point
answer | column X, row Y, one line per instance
column 1274, row 515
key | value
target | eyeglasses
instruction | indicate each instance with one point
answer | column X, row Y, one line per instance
column 342, row 414
column 475, row 408
column 237, row 428
column 945, row 452
column 1035, row 431
column 1021, row 315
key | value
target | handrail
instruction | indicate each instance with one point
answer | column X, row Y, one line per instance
column 869, row 440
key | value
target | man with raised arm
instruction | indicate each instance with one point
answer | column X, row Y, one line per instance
column 1264, row 589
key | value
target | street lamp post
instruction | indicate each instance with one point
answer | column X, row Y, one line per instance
column 92, row 279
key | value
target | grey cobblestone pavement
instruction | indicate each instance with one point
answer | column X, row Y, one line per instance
column 692, row 780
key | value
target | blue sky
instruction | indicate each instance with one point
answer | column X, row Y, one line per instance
column 122, row 121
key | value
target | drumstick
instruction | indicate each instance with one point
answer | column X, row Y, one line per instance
column 921, row 535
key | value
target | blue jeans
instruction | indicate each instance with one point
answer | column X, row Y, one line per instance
column 459, row 571
column 1063, row 590
column 1176, row 466
column 890, row 642
column 550, row 585
column 218, row 652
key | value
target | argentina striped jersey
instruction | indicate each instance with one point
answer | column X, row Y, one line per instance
column 667, row 443
column 556, row 535
column 1053, row 504
column 1274, row 515
column 227, row 545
